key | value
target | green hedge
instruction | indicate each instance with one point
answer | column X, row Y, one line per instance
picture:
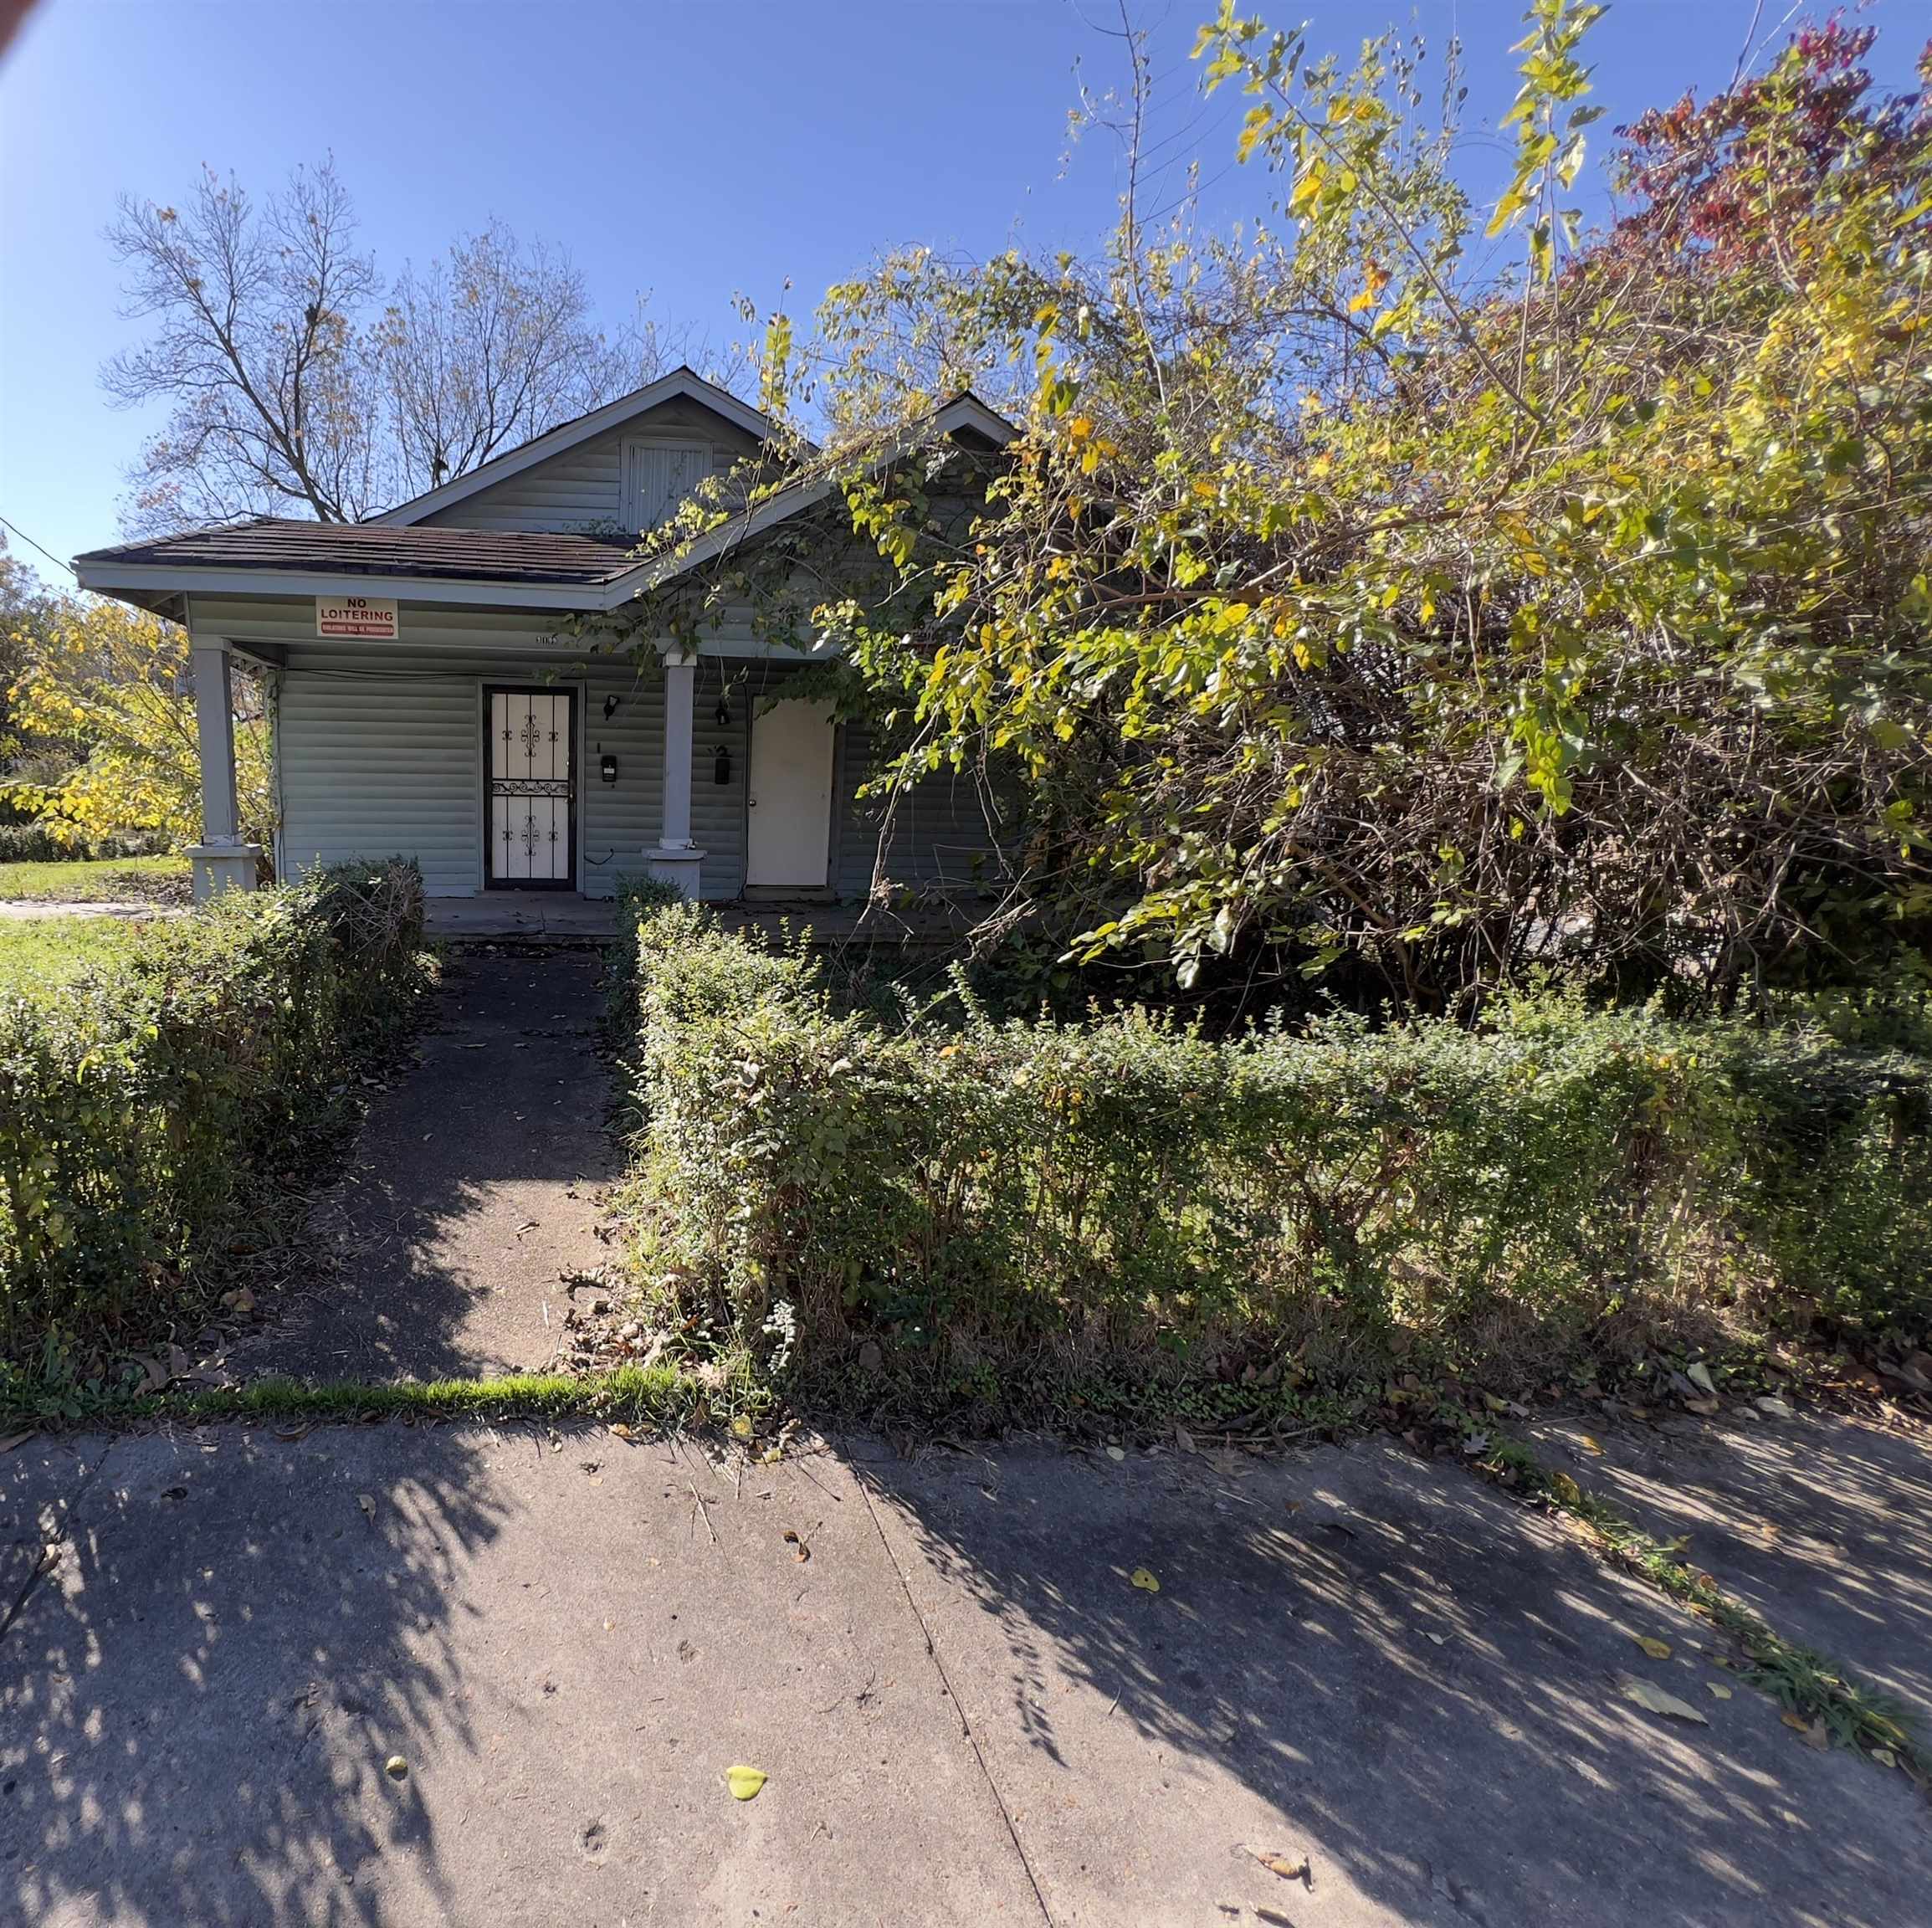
column 1002, row 1198
column 143, row 1113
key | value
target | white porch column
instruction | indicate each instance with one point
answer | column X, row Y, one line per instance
column 221, row 861
column 676, row 860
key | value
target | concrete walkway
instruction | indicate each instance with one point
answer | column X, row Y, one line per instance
column 472, row 1193
column 44, row 910
column 968, row 1710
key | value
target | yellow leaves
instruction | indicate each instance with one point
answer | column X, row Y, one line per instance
column 1145, row 1581
column 1374, row 281
column 113, row 683
column 744, row 1782
column 1656, row 1649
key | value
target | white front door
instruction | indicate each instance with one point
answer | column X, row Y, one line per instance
column 532, row 796
column 791, row 797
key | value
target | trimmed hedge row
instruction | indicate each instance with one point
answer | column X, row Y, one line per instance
column 1002, row 1198
column 142, row 1112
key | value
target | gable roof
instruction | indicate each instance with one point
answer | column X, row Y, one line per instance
column 281, row 557
column 681, row 382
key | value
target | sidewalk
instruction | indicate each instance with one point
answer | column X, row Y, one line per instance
column 968, row 1710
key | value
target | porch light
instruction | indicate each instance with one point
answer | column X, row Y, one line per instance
column 607, row 767
column 723, row 713
column 611, row 704
column 721, row 768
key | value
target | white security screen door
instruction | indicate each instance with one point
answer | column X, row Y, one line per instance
column 658, row 476
column 791, row 797
column 532, row 795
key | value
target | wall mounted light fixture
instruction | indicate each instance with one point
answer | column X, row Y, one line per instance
column 721, row 766
column 611, row 704
column 723, row 712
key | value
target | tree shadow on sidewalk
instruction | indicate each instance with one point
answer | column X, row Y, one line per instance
column 240, row 1629
column 1383, row 1664
column 1823, row 1523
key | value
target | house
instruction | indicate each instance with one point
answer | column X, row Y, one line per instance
column 462, row 679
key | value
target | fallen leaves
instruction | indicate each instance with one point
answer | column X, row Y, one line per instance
column 1290, row 1867
column 1719, row 1691
column 1656, row 1649
column 744, row 1782
column 1145, row 1580
column 801, row 1547
column 396, row 1767
column 1653, row 1699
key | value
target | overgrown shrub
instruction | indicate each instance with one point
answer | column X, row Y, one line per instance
column 998, row 1203
column 143, row 1114
column 35, row 843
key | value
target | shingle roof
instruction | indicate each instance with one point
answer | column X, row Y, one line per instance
column 373, row 549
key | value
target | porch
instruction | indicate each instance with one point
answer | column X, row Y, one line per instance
column 555, row 918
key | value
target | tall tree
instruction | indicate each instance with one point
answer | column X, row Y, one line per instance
column 299, row 384
column 490, row 346
column 259, row 347
column 1343, row 592
column 106, row 694
column 29, row 610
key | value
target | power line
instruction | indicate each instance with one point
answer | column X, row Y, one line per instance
column 41, row 546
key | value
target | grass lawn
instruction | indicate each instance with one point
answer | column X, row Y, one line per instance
column 162, row 880
column 38, row 956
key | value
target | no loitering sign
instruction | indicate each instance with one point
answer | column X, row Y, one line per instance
column 370, row 616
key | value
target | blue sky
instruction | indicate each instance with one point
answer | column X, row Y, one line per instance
column 694, row 150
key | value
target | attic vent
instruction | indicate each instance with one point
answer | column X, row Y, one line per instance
column 658, row 476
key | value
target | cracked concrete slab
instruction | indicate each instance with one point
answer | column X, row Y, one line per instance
column 40, row 1479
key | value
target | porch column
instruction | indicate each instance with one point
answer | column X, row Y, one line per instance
column 221, row 861
column 676, row 860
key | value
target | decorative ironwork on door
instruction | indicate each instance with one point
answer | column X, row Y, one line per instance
column 532, row 788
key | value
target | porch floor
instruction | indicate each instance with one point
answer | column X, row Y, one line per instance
column 558, row 917
column 542, row 916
